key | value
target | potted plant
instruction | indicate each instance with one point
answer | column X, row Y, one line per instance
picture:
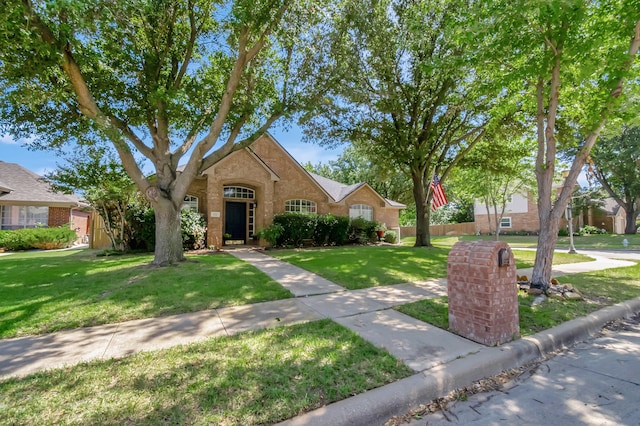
column 226, row 236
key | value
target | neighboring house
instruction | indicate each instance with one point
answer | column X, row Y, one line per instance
column 240, row 194
column 521, row 215
column 27, row 201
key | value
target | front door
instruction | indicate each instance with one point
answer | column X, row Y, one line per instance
column 236, row 220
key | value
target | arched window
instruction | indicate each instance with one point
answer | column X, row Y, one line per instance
column 300, row 206
column 361, row 210
column 190, row 203
column 238, row 192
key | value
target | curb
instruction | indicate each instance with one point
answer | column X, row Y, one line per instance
column 375, row 407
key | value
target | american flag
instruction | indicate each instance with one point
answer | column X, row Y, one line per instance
column 439, row 198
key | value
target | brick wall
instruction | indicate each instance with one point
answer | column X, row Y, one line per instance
column 483, row 298
column 290, row 181
column 58, row 216
column 528, row 222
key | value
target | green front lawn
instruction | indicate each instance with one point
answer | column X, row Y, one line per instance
column 606, row 241
column 42, row 292
column 600, row 289
column 252, row 378
column 370, row 266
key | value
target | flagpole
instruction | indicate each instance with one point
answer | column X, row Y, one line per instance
column 430, row 182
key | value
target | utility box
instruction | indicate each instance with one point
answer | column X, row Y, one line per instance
column 483, row 292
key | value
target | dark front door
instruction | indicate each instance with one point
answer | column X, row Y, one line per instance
column 236, row 220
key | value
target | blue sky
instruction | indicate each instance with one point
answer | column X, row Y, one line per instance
column 39, row 162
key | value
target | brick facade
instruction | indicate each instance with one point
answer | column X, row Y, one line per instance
column 483, row 297
column 275, row 177
column 59, row 216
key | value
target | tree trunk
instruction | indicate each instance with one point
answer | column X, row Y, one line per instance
column 547, row 240
column 423, row 237
column 631, row 214
column 168, row 233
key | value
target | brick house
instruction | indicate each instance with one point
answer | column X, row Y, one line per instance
column 240, row 194
column 27, row 201
column 521, row 215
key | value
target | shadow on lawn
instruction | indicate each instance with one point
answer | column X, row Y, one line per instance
column 41, row 294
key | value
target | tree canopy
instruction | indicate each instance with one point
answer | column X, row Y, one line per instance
column 169, row 81
column 615, row 162
column 401, row 87
column 566, row 62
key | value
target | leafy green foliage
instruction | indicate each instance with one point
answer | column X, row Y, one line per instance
column 38, row 238
column 160, row 80
column 297, row 227
column 616, row 165
column 390, row 236
column 95, row 174
column 194, row 229
column 402, row 88
column 331, row 230
column 271, row 233
column 362, row 231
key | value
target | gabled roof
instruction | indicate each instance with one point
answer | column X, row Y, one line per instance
column 339, row 191
column 21, row 186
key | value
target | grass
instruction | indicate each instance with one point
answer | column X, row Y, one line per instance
column 253, row 378
column 605, row 241
column 42, row 292
column 600, row 289
column 362, row 267
column 370, row 266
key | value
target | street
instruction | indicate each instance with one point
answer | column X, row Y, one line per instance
column 594, row 383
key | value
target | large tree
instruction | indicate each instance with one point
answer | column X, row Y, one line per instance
column 401, row 87
column 567, row 61
column 616, row 165
column 353, row 166
column 169, row 81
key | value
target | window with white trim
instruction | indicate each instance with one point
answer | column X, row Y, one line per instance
column 238, row 192
column 190, row 203
column 361, row 210
column 16, row 217
column 505, row 222
column 300, row 206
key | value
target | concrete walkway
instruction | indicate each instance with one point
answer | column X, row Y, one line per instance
column 440, row 359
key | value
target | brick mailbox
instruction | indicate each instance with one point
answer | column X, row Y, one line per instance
column 483, row 292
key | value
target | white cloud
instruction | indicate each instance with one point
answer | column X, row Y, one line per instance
column 7, row 139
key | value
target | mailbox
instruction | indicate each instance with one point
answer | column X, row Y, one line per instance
column 483, row 295
column 504, row 257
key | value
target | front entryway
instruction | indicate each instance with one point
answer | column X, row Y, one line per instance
column 236, row 221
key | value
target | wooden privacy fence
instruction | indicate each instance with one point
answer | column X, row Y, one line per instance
column 98, row 238
column 467, row 228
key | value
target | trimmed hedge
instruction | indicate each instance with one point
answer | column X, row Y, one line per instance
column 293, row 229
column 37, row 238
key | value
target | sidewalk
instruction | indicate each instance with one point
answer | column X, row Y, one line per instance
column 442, row 361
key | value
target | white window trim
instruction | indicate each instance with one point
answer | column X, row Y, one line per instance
column 361, row 209
column 510, row 222
column 296, row 206
column 188, row 204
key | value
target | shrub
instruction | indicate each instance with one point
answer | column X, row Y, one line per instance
column 296, row 228
column 37, row 238
column 563, row 232
column 142, row 223
column 362, row 231
column 589, row 229
column 331, row 230
column 271, row 233
column 390, row 237
column 194, row 230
